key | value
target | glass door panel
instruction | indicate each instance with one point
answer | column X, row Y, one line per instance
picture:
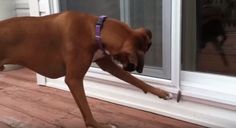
column 154, row 15
column 110, row 8
column 209, row 36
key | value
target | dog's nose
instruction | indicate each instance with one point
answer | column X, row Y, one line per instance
column 140, row 66
column 139, row 70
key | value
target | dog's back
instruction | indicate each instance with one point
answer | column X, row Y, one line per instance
column 34, row 42
column 39, row 43
column 24, row 39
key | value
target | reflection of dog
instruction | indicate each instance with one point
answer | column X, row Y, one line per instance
column 212, row 29
column 64, row 44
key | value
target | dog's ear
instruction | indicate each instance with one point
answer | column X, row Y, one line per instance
column 149, row 33
column 145, row 31
column 146, row 36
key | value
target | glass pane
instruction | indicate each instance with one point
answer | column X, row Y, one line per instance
column 110, row 8
column 209, row 36
column 148, row 13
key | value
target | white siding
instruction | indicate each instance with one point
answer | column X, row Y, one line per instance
column 22, row 8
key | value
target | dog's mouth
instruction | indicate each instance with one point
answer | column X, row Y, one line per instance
column 130, row 67
column 129, row 64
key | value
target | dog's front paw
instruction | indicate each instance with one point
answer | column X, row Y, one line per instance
column 165, row 95
column 104, row 126
column 161, row 93
column 108, row 126
column 169, row 96
column 1, row 68
column 112, row 126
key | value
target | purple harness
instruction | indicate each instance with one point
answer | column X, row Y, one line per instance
column 99, row 26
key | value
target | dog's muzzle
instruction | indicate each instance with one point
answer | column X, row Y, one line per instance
column 129, row 67
column 136, row 64
column 139, row 69
column 132, row 67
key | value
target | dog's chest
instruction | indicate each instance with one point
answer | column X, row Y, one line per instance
column 98, row 55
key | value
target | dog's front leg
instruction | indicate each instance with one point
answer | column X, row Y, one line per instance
column 1, row 67
column 76, row 68
column 108, row 65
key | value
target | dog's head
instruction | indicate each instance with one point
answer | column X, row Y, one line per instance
column 134, row 49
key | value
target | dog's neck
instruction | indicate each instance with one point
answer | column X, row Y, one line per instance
column 114, row 34
column 99, row 25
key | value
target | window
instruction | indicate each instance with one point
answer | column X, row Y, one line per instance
column 152, row 14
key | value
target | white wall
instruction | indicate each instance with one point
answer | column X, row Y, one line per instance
column 7, row 9
column 12, row 8
column 22, row 8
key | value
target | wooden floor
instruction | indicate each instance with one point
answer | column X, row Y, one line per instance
column 23, row 104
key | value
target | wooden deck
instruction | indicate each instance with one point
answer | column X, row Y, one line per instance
column 23, row 104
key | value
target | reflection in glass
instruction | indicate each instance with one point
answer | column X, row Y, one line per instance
column 209, row 36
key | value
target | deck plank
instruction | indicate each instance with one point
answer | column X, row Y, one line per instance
column 23, row 104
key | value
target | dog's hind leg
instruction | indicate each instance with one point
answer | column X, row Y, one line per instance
column 108, row 65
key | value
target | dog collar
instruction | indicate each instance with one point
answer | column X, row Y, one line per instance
column 99, row 25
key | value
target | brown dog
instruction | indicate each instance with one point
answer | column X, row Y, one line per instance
column 64, row 45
